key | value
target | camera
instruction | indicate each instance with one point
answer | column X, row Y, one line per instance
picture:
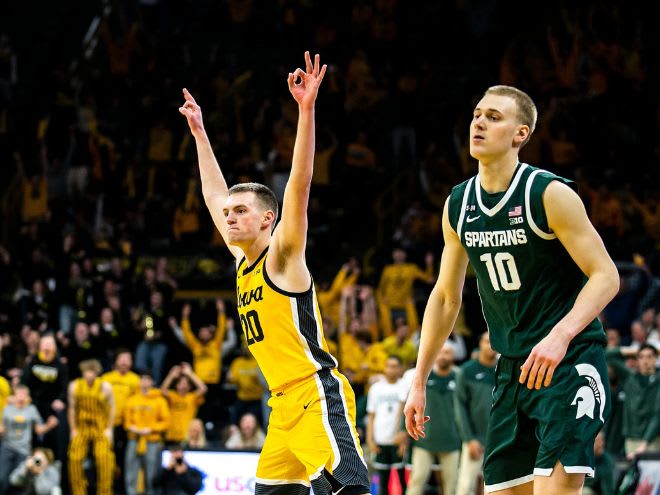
column 37, row 461
column 179, row 460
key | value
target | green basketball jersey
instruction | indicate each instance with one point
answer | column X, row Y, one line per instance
column 527, row 280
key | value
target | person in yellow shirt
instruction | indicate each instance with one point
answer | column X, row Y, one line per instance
column 5, row 392
column 244, row 373
column 208, row 347
column 395, row 290
column 360, row 358
column 146, row 417
column 125, row 384
column 91, row 412
column 400, row 344
column 330, row 297
column 183, row 401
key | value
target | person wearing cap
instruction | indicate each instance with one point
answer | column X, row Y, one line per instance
column 146, row 417
column 91, row 417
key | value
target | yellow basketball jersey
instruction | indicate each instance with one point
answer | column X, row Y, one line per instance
column 91, row 405
column 283, row 329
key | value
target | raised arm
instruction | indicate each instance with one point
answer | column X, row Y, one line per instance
column 439, row 318
column 568, row 220
column 200, row 386
column 291, row 234
column 214, row 186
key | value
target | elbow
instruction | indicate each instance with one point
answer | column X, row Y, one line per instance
column 449, row 301
column 613, row 282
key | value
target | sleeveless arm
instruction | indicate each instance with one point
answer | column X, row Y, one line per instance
column 567, row 218
column 444, row 302
column 439, row 318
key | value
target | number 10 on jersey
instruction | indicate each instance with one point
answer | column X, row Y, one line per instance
column 498, row 266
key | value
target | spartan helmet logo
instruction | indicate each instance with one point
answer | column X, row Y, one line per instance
column 587, row 396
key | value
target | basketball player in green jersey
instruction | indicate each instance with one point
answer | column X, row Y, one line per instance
column 543, row 275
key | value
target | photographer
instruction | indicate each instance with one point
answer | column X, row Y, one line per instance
column 178, row 478
column 37, row 475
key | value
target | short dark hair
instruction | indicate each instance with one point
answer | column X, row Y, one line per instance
column 650, row 347
column 527, row 112
column 144, row 372
column 265, row 195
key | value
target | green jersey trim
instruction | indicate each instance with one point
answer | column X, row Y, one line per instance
column 509, row 192
column 528, row 209
column 461, row 216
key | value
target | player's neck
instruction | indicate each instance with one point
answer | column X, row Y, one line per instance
column 495, row 176
column 254, row 250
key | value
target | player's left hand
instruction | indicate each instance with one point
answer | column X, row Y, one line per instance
column 543, row 360
column 305, row 91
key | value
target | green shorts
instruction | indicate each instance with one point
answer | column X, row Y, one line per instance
column 530, row 430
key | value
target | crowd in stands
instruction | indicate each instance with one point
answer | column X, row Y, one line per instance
column 95, row 268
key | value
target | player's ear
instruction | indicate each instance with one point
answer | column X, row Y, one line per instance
column 521, row 135
column 268, row 219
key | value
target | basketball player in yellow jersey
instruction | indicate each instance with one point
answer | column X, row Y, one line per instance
column 312, row 440
column 91, row 417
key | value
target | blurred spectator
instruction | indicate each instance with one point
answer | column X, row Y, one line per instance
column 243, row 372
column 400, row 344
column 109, row 334
column 146, row 417
column 39, row 307
column 152, row 349
column 178, row 477
column 83, row 346
column 91, row 418
column 442, row 443
column 248, row 434
column 329, row 297
column 38, row 474
column 183, row 400
column 19, row 419
column 472, row 402
column 196, row 438
column 125, row 383
column 641, row 410
column 208, row 347
column 395, row 290
column 46, row 377
column 384, row 438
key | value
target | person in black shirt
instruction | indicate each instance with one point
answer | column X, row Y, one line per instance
column 47, row 378
column 178, row 478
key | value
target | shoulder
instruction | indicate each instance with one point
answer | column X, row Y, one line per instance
column 459, row 189
column 538, row 179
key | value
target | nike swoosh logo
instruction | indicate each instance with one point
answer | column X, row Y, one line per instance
column 472, row 219
column 307, row 405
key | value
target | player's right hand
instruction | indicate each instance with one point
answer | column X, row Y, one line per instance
column 414, row 413
column 193, row 113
